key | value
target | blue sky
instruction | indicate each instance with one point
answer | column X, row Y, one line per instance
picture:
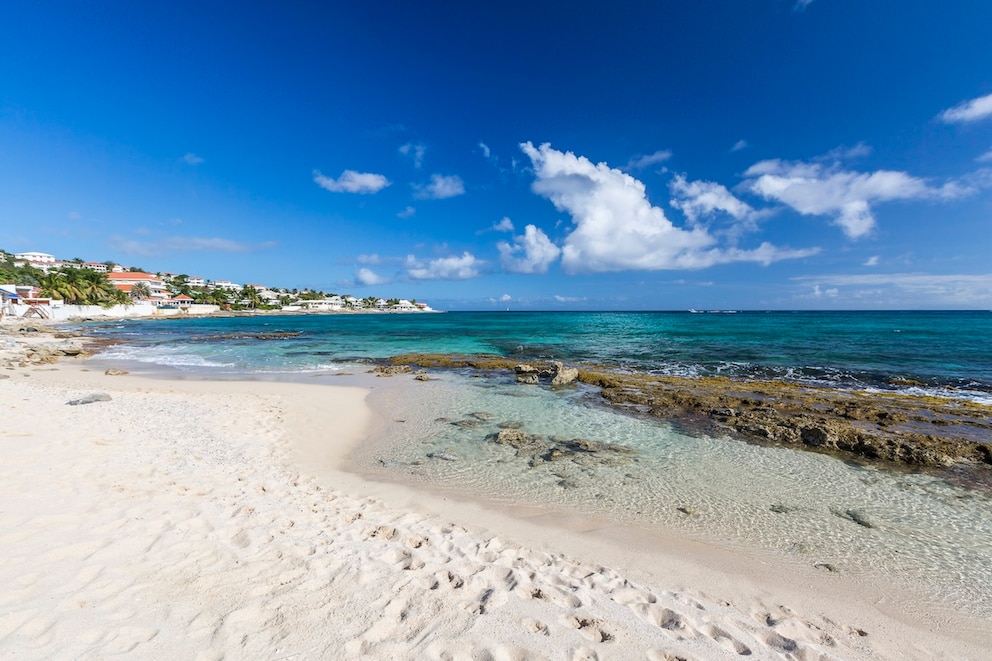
column 745, row 154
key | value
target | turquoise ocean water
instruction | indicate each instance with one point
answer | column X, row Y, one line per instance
column 923, row 533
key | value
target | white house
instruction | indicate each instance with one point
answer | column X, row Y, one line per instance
column 36, row 257
column 324, row 304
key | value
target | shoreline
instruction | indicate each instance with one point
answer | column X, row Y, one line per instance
column 605, row 588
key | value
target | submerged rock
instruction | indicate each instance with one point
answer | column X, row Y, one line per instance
column 853, row 515
column 445, row 456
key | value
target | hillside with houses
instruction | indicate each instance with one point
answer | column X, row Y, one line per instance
column 36, row 284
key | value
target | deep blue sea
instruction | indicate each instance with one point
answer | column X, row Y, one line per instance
column 927, row 535
column 949, row 352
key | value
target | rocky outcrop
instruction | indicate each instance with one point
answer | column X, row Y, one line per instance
column 906, row 429
column 390, row 370
column 42, row 344
column 527, row 374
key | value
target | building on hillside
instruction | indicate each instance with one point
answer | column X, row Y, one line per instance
column 126, row 281
column 226, row 285
column 35, row 258
column 196, row 281
column 99, row 267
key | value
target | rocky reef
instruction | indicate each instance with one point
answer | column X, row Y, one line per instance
column 884, row 427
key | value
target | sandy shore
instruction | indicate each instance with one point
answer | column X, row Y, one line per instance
column 208, row 520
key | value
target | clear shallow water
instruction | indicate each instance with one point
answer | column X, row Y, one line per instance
column 926, row 534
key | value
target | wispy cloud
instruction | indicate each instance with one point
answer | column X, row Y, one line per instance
column 486, row 152
column 183, row 244
column 363, row 183
column 415, row 151
column 639, row 162
column 739, row 145
column 801, row 5
column 844, row 153
column 533, row 252
column 441, row 187
column 445, row 268
column 985, row 158
column 902, row 290
column 408, row 212
column 872, row 261
column 192, row 159
column 618, row 229
column 968, row 111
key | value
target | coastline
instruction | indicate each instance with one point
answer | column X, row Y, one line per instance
column 222, row 508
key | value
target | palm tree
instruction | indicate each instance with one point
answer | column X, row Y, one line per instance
column 140, row 291
column 251, row 296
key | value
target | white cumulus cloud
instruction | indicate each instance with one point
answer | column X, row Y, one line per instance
column 441, row 187
column 616, row 228
column 504, row 225
column 367, row 276
column 818, row 189
column 533, row 252
column 702, row 198
column 350, row 181
column 444, row 268
column 984, row 158
column 968, row 111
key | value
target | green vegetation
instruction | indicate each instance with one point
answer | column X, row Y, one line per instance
column 79, row 287
column 18, row 275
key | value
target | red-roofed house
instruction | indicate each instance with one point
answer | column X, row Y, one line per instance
column 125, row 281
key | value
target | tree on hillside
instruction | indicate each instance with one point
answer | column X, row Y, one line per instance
column 250, row 296
column 77, row 286
column 141, row 291
column 180, row 285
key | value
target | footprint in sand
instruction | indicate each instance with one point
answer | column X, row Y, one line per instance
column 590, row 628
column 725, row 639
column 534, row 626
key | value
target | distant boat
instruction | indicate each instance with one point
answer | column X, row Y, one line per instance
column 694, row 311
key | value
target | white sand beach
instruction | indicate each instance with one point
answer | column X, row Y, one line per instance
column 211, row 520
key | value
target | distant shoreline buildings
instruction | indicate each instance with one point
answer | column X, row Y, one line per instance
column 168, row 292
